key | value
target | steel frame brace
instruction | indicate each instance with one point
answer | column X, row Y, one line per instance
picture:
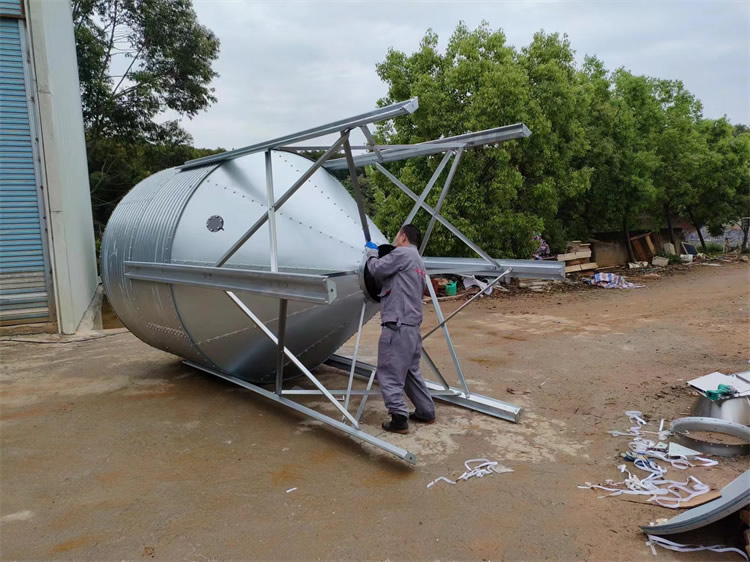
column 336, row 424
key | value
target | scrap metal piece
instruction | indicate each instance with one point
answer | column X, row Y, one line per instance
column 734, row 496
column 681, row 428
column 736, row 409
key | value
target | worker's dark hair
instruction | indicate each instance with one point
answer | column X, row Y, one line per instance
column 412, row 234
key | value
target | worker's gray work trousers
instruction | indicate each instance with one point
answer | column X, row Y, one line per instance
column 399, row 352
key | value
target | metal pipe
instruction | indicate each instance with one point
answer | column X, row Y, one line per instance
column 439, row 205
column 364, row 398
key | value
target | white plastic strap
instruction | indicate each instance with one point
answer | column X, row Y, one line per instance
column 670, row 545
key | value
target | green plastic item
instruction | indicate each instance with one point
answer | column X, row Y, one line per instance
column 450, row 289
column 721, row 391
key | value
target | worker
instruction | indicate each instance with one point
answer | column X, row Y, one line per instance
column 403, row 277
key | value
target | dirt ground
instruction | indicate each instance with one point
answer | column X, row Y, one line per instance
column 113, row 450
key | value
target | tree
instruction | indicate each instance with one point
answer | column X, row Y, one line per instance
column 478, row 83
column 678, row 146
column 137, row 59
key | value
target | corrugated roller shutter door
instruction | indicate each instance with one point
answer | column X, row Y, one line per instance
column 23, row 285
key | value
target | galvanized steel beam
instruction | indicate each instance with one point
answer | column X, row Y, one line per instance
column 531, row 269
column 476, row 402
column 467, row 140
column 381, row 114
column 316, row 289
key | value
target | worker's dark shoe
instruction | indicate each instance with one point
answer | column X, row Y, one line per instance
column 398, row 424
column 417, row 417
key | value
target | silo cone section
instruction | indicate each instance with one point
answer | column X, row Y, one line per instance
column 165, row 218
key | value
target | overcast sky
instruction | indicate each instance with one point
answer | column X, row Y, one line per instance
column 286, row 66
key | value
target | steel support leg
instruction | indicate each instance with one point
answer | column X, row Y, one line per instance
column 476, row 402
column 348, row 429
column 257, row 321
column 354, row 355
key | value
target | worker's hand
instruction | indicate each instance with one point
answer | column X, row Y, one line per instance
column 371, row 248
column 371, row 245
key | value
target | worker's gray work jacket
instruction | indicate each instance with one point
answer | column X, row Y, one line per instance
column 402, row 273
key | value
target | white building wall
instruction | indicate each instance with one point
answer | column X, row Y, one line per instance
column 63, row 153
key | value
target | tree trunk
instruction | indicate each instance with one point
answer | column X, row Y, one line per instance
column 745, row 232
column 697, row 228
column 626, row 231
column 668, row 216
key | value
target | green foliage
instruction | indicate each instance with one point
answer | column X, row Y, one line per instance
column 137, row 59
column 608, row 149
column 714, row 248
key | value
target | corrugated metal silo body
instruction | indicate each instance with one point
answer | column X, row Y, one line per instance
column 165, row 219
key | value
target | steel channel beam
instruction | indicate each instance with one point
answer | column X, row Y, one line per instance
column 428, row 187
column 381, row 114
column 468, row 140
column 460, row 235
column 524, row 269
column 476, row 402
column 362, row 160
column 441, row 199
column 317, row 289
column 281, row 200
column 349, row 430
column 342, row 393
column 369, row 148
